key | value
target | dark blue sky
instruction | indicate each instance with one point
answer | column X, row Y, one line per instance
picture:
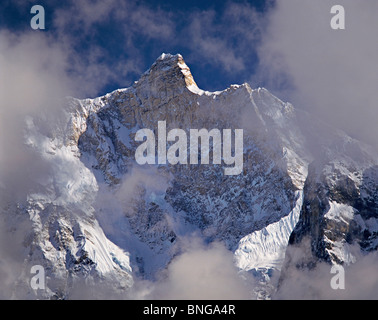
column 216, row 38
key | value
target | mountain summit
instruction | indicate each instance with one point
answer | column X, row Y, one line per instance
column 169, row 68
column 99, row 218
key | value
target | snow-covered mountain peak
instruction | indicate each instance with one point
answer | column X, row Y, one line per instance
column 98, row 215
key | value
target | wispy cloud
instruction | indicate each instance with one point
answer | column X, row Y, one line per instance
column 225, row 39
column 359, row 279
column 200, row 272
column 331, row 73
column 34, row 80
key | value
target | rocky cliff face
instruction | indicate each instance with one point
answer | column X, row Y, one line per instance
column 340, row 203
column 100, row 216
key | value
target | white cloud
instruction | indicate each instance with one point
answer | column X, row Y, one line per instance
column 360, row 278
column 200, row 272
column 34, row 81
column 331, row 73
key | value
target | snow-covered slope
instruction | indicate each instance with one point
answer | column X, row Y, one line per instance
column 266, row 248
column 57, row 220
column 99, row 217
